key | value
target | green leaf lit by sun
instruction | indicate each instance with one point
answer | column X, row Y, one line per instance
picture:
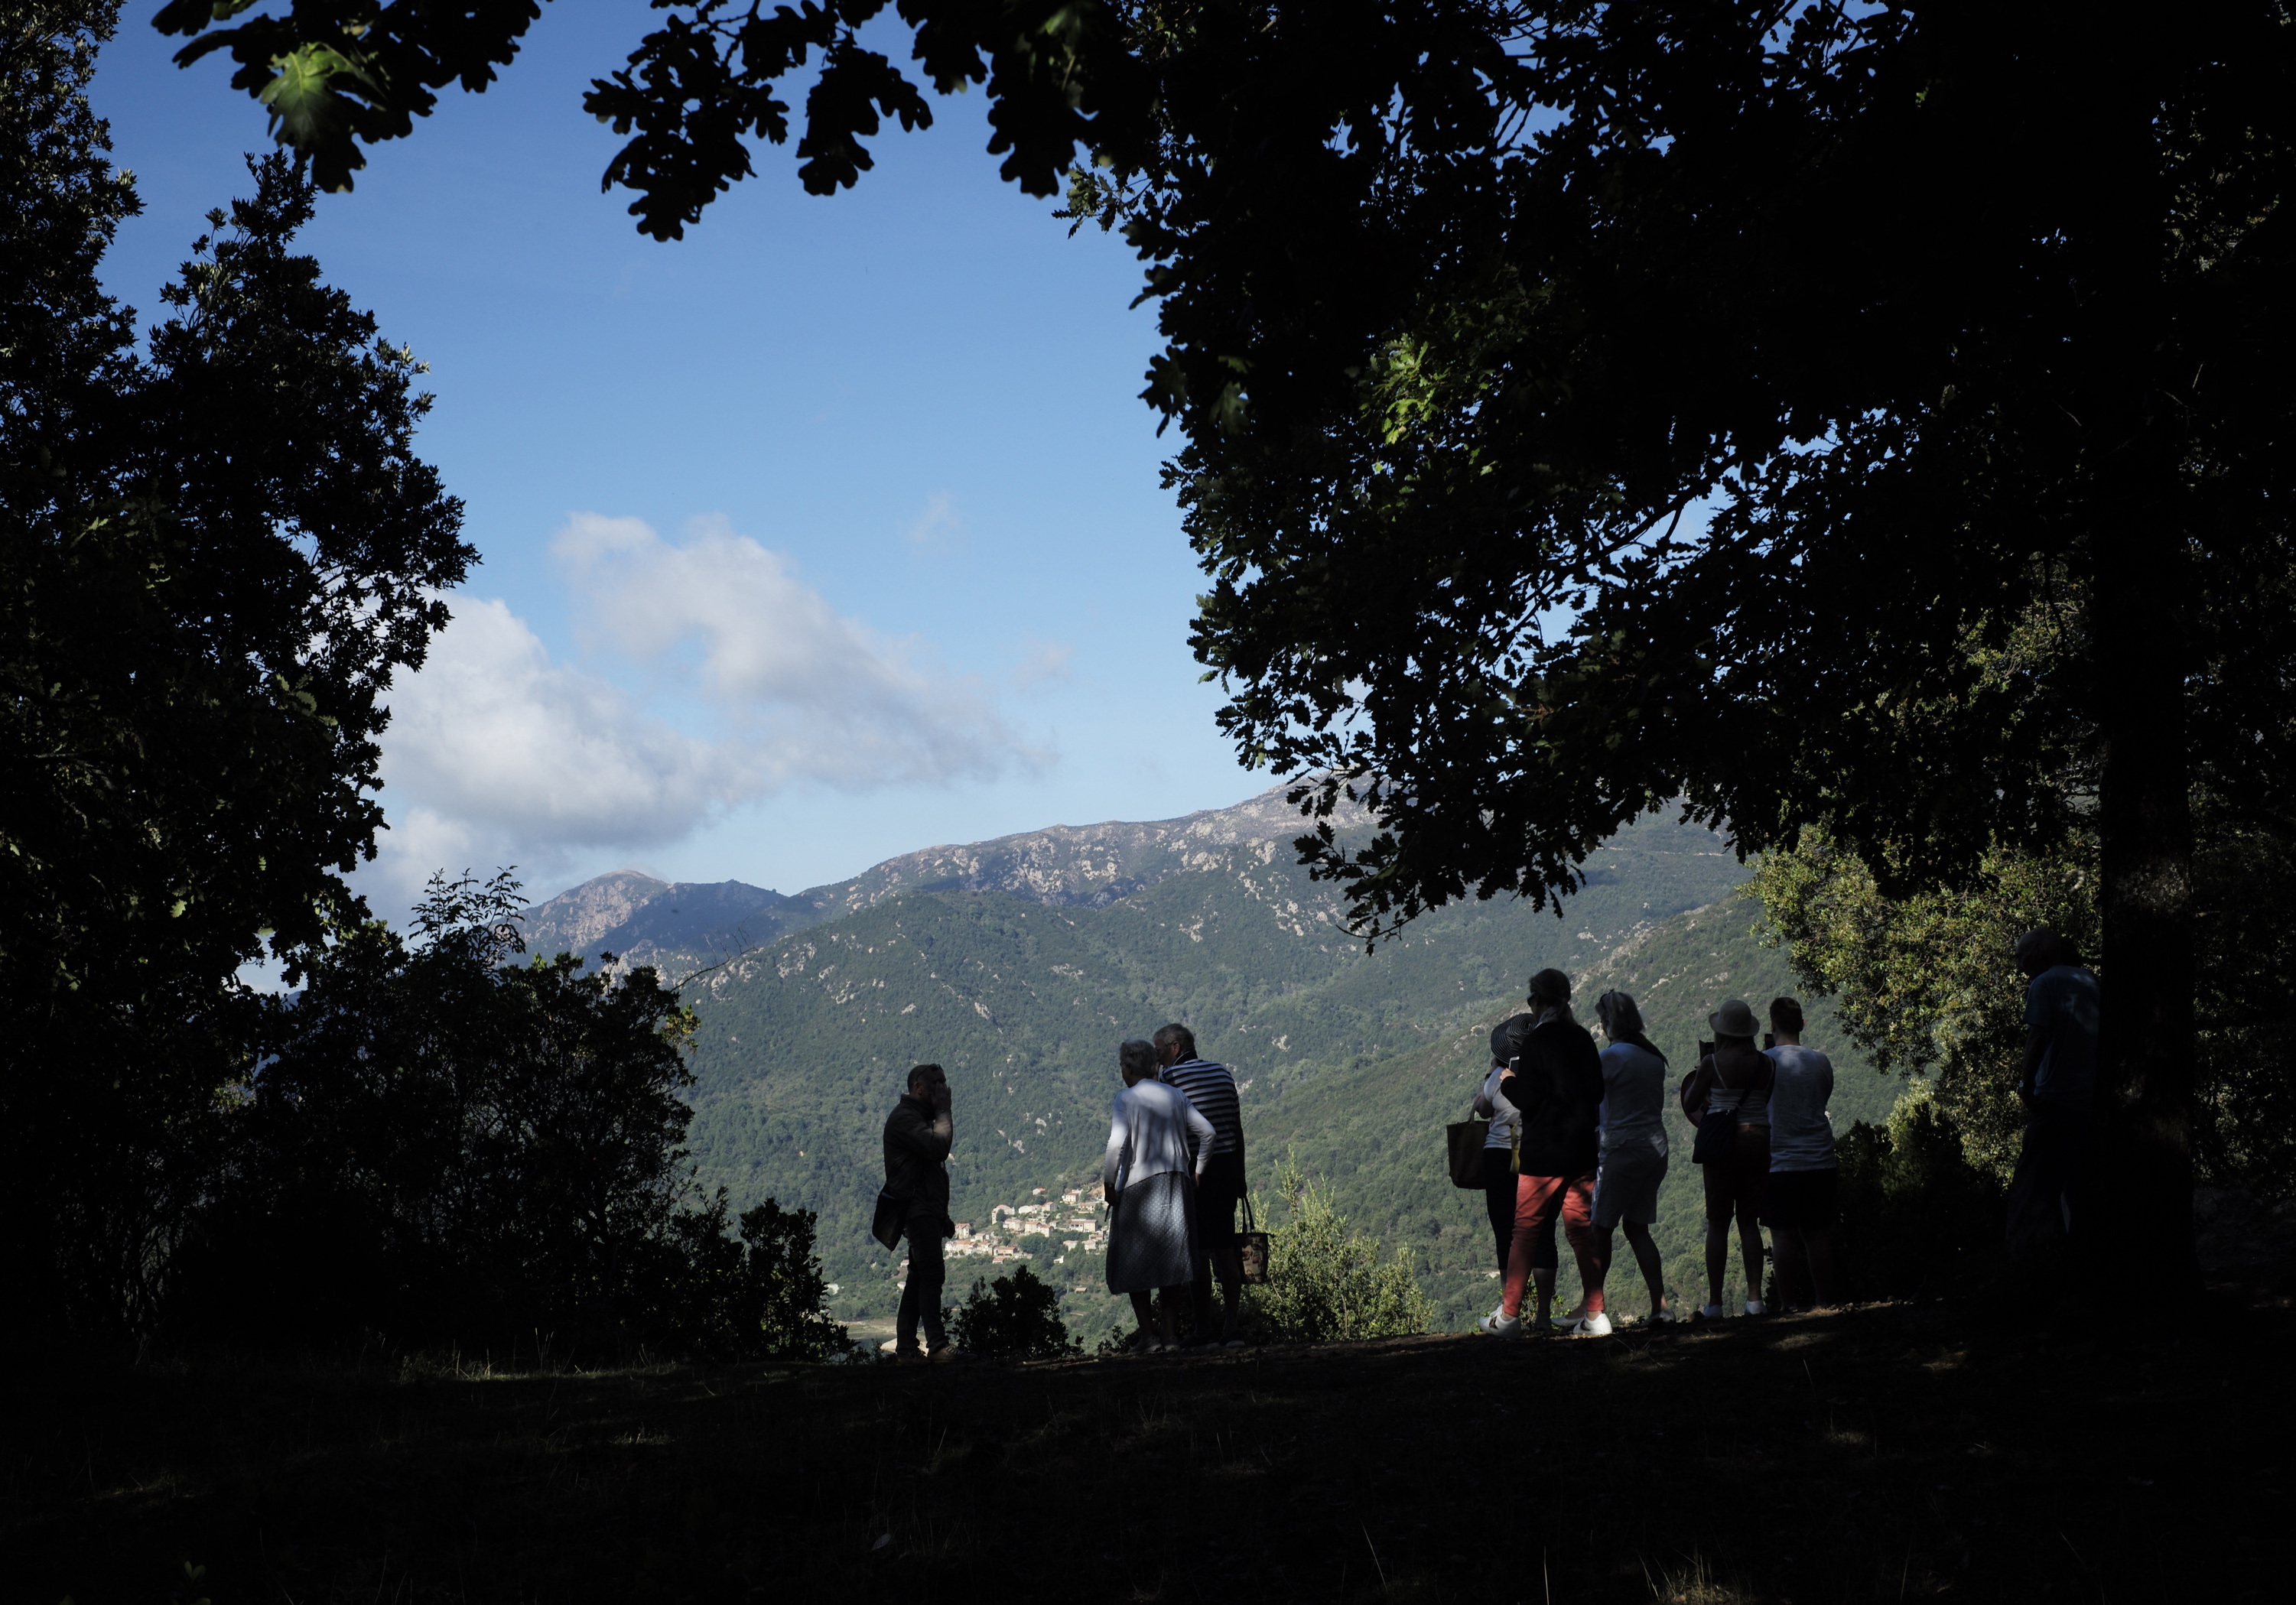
column 305, row 110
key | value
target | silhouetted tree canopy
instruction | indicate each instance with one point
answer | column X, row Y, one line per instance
column 459, row 1129
column 1863, row 418
column 215, row 550
column 442, row 1144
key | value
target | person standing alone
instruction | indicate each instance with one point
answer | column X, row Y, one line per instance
column 1211, row 1089
column 1799, row 1203
column 2057, row 1084
column 917, row 1135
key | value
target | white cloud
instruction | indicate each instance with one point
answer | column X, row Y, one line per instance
column 491, row 732
column 819, row 696
column 497, row 754
column 939, row 519
column 1046, row 661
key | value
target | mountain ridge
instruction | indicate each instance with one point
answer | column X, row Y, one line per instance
column 642, row 920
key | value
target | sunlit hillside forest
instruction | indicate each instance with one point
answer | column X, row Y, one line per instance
column 1022, row 986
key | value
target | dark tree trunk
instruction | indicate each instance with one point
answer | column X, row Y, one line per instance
column 2144, row 1072
column 2142, row 644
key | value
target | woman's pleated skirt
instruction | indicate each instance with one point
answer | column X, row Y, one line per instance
column 1151, row 1241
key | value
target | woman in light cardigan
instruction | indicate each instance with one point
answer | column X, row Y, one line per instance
column 1150, row 1179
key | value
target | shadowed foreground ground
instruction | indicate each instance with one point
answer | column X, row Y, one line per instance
column 1890, row 1453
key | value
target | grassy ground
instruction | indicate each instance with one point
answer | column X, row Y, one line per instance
column 1888, row 1452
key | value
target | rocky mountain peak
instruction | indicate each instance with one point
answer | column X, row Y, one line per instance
column 576, row 919
column 645, row 921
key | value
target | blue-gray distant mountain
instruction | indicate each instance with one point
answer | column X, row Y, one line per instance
column 643, row 921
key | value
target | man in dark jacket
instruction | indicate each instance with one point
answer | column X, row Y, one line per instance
column 1557, row 1083
column 2057, row 1084
column 917, row 1154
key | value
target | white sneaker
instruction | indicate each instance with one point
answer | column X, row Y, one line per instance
column 1755, row 1307
column 1596, row 1325
column 1665, row 1318
column 1712, row 1311
column 1496, row 1325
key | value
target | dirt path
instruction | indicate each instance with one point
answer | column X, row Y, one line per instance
column 1889, row 1452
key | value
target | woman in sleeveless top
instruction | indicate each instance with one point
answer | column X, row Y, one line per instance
column 1732, row 1083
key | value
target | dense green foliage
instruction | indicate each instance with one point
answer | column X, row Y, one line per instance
column 1921, row 982
column 215, row 552
column 755, row 1294
column 1917, row 1217
column 1925, row 983
column 443, row 1146
column 1326, row 1279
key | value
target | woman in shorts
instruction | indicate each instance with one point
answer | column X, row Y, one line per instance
column 1732, row 1083
column 1634, row 1142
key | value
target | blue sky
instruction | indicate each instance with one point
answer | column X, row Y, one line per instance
column 829, row 532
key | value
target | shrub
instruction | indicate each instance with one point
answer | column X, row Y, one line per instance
column 448, row 1148
column 1917, row 1217
column 700, row 1289
column 1015, row 1317
column 1326, row 1281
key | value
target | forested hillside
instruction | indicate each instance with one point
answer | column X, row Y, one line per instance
column 1020, row 964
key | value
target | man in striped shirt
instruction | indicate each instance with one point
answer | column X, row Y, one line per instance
column 1219, row 1189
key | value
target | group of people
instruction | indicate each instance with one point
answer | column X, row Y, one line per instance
column 1172, row 1175
column 1577, row 1135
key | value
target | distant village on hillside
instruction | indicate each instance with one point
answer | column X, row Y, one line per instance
column 1069, row 1222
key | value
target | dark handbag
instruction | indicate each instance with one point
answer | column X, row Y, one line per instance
column 1466, row 1138
column 1717, row 1136
column 891, row 1218
column 1251, row 1247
